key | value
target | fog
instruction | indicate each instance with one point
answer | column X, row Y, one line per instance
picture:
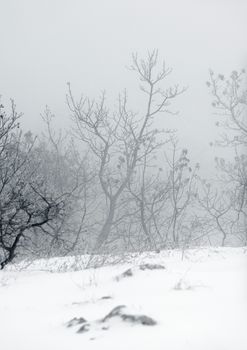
column 45, row 44
column 123, row 219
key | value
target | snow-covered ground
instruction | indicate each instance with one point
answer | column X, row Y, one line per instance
column 198, row 303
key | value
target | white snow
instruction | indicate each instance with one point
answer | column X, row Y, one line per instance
column 199, row 303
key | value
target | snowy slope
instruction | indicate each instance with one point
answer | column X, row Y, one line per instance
column 198, row 302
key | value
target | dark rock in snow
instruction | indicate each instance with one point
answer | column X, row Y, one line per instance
column 142, row 267
column 118, row 312
column 114, row 312
column 127, row 273
column 151, row 267
column 106, row 297
column 84, row 328
column 76, row 321
column 142, row 319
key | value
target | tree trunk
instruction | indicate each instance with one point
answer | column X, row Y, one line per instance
column 11, row 252
column 106, row 229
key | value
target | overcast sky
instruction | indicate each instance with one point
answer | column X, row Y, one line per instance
column 45, row 43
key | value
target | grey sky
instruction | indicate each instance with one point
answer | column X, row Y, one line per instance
column 45, row 43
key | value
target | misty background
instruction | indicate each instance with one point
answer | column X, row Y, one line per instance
column 45, row 44
column 109, row 220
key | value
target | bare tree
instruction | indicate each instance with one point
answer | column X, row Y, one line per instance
column 217, row 205
column 25, row 203
column 117, row 139
column 150, row 194
column 66, row 171
column 230, row 102
column 182, row 180
column 164, row 198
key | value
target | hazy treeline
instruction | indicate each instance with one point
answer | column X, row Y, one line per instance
column 104, row 186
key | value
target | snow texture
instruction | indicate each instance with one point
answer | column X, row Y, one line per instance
column 190, row 301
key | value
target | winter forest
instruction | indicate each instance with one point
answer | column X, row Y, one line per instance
column 123, row 172
column 102, row 188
